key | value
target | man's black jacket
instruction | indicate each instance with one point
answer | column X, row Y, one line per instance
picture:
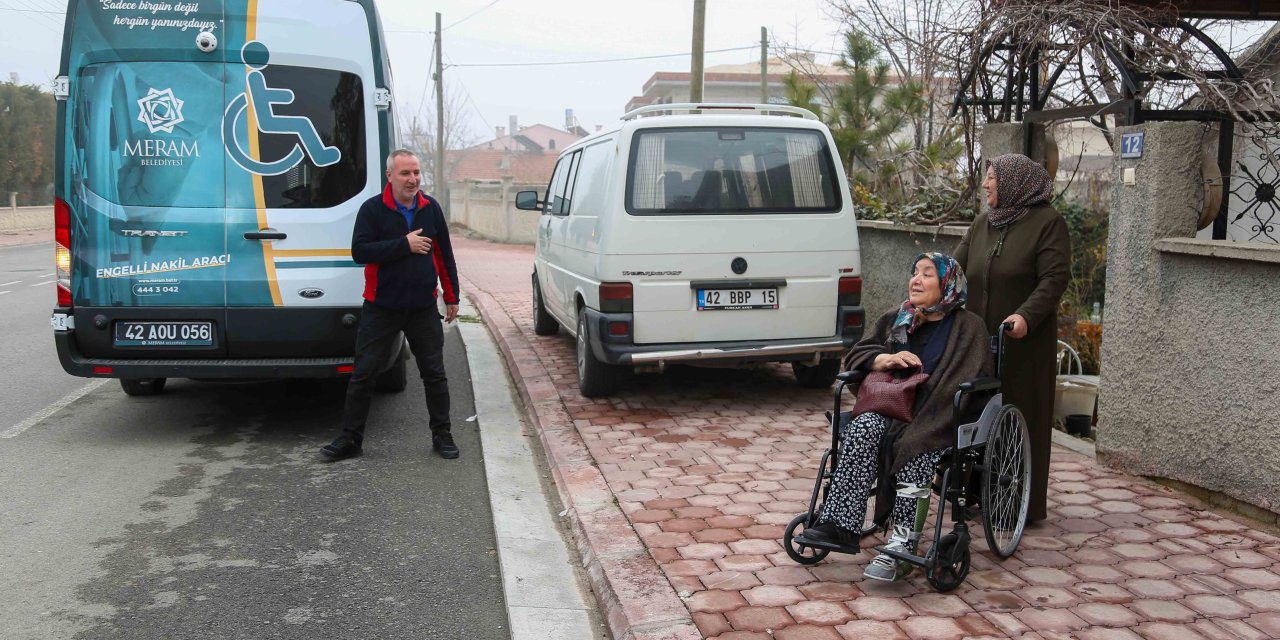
column 395, row 277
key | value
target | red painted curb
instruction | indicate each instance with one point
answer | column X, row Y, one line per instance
column 635, row 598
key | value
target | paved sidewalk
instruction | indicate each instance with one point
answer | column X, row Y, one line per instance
column 680, row 485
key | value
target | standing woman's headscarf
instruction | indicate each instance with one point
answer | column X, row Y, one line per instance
column 1021, row 183
column 955, row 292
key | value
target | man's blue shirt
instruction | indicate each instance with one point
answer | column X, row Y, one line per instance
column 407, row 212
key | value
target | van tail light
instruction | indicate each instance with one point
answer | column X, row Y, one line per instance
column 850, row 291
column 615, row 297
column 62, row 250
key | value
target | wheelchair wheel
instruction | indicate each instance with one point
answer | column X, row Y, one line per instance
column 1006, row 481
column 949, row 563
column 797, row 552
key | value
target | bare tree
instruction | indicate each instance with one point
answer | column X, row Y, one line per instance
column 416, row 126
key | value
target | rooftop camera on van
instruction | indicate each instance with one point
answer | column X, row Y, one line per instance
column 206, row 41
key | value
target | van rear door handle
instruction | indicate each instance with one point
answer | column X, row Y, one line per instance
column 265, row 235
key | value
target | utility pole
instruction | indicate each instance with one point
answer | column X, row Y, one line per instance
column 438, row 173
column 764, row 65
column 699, row 29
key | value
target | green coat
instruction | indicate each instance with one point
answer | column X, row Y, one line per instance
column 1028, row 278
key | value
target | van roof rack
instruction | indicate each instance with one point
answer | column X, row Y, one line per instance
column 690, row 107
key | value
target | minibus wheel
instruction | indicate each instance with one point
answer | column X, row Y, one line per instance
column 142, row 386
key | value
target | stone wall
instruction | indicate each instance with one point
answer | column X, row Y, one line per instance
column 15, row 219
column 1190, row 375
column 489, row 209
column 887, row 253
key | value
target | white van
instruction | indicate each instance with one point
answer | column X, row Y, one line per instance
column 700, row 234
column 211, row 157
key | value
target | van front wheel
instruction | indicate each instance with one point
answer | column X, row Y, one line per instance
column 819, row 376
column 595, row 378
column 142, row 386
column 544, row 324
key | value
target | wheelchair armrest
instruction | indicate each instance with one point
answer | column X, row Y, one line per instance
column 980, row 384
column 851, row 377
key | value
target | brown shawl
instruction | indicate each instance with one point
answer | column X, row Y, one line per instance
column 966, row 356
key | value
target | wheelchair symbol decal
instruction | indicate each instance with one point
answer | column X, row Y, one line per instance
column 262, row 100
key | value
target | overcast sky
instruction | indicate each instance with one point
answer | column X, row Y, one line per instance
column 484, row 32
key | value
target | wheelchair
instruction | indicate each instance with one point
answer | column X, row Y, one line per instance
column 986, row 471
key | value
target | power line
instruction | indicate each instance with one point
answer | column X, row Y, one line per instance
column 567, row 62
column 469, row 16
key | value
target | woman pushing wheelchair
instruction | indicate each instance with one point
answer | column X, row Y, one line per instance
column 931, row 333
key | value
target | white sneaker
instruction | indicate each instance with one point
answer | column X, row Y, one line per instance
column 886, row 568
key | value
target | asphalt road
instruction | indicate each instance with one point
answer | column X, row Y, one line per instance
column 33, row 378
column 205, row 512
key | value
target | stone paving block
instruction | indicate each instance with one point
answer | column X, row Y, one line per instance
column 1217, row 606
column 1007, row 623
column 931, row 628
column 807, row 632
column 730, row 580
column 878, row 608
column 1167, row 631
column 871, row 630
column 1048, row 596
column 942, row 605
column 786, row 575
column 1244, row 558
column 716, row 601
column 711, row 624
column 827, row 614
column 1103, row 633
column 759, row 618
column 741, row 562
column 1163, row 611
column 1254, row 578
column 830, row 591
column 1268, row 623
column 1050, row 619
column 744, row 635
column 1105, row 592
column 1047, row 577
column 772, row 596
column 999, row 601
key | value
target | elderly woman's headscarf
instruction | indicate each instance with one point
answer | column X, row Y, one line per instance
column 955, row 292
column 1020, row 183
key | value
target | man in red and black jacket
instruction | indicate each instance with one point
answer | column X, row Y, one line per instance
column 402, row 240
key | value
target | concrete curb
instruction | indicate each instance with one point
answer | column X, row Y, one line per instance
column 544, row 597
column 635, row 598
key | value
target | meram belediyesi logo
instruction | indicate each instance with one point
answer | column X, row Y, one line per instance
column 161, row 111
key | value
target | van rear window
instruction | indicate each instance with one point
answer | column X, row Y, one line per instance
column 731, row 170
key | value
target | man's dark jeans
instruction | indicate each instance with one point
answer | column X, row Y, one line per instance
column 379, row 328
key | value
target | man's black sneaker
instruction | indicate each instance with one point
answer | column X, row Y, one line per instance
column 341, row 448
column 443, row 444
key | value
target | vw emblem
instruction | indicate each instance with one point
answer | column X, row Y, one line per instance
column 311, row 294
column 739, row 266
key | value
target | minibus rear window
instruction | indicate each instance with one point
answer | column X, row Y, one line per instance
column 731, row 170
column 334, row 102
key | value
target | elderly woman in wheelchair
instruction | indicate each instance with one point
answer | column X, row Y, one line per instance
column 930, row 332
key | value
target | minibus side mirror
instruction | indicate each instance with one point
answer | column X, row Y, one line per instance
column 528, row 201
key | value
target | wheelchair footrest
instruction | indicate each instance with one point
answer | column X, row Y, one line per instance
column 827, row 546
column 903, row 556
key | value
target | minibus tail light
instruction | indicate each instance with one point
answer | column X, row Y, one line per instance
column 615, row 297
column 850, row 291
column 62, row 250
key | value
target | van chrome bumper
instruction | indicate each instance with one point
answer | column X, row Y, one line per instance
column 738, row 351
